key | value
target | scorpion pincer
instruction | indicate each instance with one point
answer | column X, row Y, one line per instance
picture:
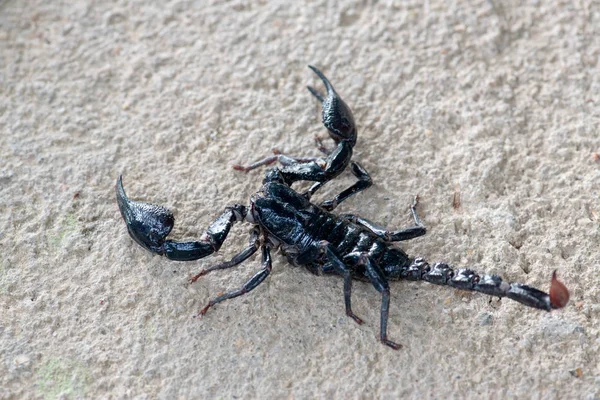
column 309, row 235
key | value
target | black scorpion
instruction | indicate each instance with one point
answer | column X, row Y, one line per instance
column 310, row 236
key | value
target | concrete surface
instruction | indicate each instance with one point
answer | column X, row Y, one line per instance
column 493, row 103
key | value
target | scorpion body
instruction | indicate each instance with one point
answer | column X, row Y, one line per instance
column 310, row 235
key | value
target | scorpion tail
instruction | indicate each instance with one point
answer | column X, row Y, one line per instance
column 493, row 285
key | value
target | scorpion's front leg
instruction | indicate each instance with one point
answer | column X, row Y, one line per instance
column 250, row 285
column 149, row 225
column 235, row 260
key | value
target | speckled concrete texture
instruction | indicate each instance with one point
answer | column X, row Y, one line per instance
column 489, row 110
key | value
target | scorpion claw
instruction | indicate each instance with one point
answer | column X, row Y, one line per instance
column 337, row 116
column 148, row 224
column 316, row 93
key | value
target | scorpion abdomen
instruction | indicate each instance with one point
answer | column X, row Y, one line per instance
column 303, row 227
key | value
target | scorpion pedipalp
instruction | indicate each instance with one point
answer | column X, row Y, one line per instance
column 150, row 224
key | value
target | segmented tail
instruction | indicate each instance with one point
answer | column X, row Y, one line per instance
column 493, row 285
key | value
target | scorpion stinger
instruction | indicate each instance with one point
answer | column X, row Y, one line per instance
column 150, row 224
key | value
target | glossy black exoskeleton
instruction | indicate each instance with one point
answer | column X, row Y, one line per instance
column 311, row 236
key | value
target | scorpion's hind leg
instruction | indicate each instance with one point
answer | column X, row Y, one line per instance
column 379, row 281
column 149, row 225
column 393, row 236
column 250, row 285
column 344, row 271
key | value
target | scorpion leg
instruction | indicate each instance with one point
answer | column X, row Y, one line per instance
column 334, row 265
column 393, row 236
column 149, row 225
column 364, row 182
column 250, row 285
column 282, row 158
column 235, row 260
column 378, row 280
column 343, row 270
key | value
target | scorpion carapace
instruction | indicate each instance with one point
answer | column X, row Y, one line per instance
column 309, row 235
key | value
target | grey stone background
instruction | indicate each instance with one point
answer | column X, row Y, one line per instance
column 492, row 102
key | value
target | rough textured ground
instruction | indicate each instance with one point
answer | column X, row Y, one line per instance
column 494, row 103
